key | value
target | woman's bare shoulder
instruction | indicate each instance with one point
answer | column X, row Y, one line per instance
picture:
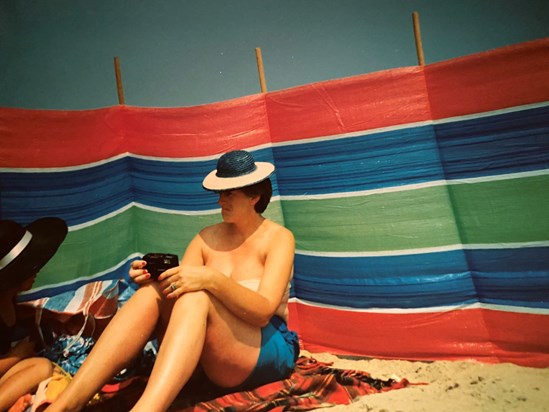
column 279, row 230
column 211, row 231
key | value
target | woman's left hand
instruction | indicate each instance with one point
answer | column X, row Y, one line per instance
column 182, row 279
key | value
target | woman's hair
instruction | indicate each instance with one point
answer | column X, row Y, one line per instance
column 264, row 190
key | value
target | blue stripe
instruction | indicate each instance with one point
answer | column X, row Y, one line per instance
column 526, row 259
column 373, row 161
column 529, row 259
column 398, row 292
column 515, row 277
column 75, row 196
column 530, row 289
column 422, row 264
column 527, row 289
column 506, row 143
column 87, row 194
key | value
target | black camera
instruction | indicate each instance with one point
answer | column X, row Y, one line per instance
column 160, row 262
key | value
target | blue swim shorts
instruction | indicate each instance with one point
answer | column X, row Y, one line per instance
column 277, row 357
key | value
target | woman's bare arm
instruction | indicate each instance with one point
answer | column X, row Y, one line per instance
column 253, row 307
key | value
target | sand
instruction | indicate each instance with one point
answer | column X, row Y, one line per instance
column 464, row 386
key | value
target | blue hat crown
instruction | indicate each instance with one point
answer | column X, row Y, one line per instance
column 236, row 163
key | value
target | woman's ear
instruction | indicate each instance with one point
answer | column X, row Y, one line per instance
column 254, row 199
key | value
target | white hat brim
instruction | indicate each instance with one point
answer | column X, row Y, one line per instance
column 213, row 182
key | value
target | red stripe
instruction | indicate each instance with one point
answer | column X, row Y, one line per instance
column 482, row 334
column 50, row 138
column 197, row 131
column 505, row 77
column 365, row 102
column 53, row 138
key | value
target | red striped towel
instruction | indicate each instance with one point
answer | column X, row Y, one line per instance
column 313, row 385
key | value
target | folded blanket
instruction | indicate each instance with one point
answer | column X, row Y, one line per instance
column 313, row 385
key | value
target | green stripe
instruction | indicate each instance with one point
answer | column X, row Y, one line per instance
column 99, row 247
column 386, row 221
column 514, row 210
column 90, row 250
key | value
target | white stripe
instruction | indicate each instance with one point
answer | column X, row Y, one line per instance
column 369, row 192
column 418, row 251
column 497, row 112
column 118, row 157
column 403, row 252
column 510, row 245
column 353, row 134
column 186, row 212
column 100, row 219
column 144, row 207
column 178, row 212
column 494, row 178
column 196, row 158
column 63, row 168
column 416, row 186
column 434, row 309
column 149, row 208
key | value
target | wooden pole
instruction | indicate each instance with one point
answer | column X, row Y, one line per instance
column 417, row 35
column 119, row 86
column 260, row 70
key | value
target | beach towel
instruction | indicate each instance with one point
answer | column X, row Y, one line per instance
column 99, row 298
column 313, row 385
column 93, row 300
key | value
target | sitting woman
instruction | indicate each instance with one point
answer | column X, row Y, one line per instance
column 224, row 308
column 23, row 252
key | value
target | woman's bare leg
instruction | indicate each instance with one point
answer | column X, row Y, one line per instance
column 178, row 355
column 23, row 378
column 199, row 323
column 121, row 341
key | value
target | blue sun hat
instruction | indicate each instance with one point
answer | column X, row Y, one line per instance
column 237, row 169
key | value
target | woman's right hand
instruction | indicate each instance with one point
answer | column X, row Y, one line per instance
column 138, row 273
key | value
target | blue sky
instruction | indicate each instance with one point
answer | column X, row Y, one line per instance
column 58, row 54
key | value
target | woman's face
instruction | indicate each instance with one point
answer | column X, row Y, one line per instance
column 234, row 203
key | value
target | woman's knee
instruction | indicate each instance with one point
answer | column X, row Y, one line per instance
column 147, row 291
column 150, row 294
column 41, row 368
column 44, row 367
column 199, row 302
